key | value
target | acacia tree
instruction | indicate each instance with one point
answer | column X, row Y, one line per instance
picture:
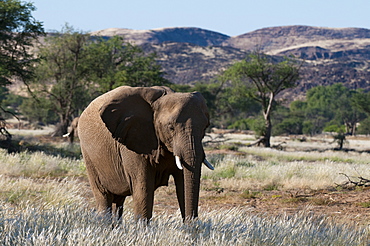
column 262, row 78
column 18, row 31
column 61, row 75
column 362, row 102
column 114, row 62
column 76, row 67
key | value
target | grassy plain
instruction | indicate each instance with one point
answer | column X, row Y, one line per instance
column 256, row 196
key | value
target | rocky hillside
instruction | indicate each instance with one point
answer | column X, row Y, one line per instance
column 191, row 35
column 277, row 39
column 331, row 55
column 187, row 63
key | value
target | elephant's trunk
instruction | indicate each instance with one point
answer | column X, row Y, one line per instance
column 191, row 161
column 192, row 186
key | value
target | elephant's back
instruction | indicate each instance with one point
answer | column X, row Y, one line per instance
column 90, row 119
column 93, row 134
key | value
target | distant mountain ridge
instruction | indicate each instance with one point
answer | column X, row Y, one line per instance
column 268, row 38
column 273, row 38
column 191, row 35
column 188, row 55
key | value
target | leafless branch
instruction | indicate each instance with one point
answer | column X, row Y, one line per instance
column 351, row 184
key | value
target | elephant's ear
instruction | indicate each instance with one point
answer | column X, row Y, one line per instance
column 129, row 117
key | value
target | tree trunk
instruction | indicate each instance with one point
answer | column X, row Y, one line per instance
column 267, row 116
column 267, row 134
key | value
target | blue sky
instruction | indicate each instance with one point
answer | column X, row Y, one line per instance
column 230, row 17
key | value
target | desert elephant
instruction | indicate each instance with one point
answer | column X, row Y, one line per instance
column 133, row 139
column 73, row 130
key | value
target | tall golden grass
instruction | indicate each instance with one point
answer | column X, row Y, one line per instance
column 44, row 202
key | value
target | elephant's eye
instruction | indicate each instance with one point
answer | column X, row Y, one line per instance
column 171, row 127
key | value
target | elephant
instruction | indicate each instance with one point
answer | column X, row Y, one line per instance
column 73, row 130
column 134, row 138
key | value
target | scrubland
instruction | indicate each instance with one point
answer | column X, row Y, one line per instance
column 260, row 167
column 255, row 196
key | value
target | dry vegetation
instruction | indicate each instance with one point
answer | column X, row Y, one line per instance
column 255, row 196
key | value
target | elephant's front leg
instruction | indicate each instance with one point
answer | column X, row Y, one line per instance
column 143, row 187
column 179, row 182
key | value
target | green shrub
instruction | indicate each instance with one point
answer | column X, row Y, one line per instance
column 258, row 126
column 271, row 186
column 364, row 204
column 226, row 172
column 228, row 147
column 289, row 126
column 364, row 127
column 243, row 124
column 247, row 194
column 335, row 128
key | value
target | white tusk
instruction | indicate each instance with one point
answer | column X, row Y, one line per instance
column 66, row 135
column 178, row 162
column 209, row 165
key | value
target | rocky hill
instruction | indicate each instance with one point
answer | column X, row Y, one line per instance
column 191, row 35
column 186, row 63
column 332, row 55
column 275, row 39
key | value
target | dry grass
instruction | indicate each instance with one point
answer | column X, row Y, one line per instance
column 44, row 202
column 77, row 225
column 286, row 170
column 39, row 165
column 49, row 192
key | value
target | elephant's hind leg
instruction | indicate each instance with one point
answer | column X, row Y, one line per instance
column 103, row 198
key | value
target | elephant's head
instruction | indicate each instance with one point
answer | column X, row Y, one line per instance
column 180, row 120
column 154, row 120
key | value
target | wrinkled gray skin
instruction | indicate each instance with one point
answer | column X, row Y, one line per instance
column 73, row 132
column 129, row 137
